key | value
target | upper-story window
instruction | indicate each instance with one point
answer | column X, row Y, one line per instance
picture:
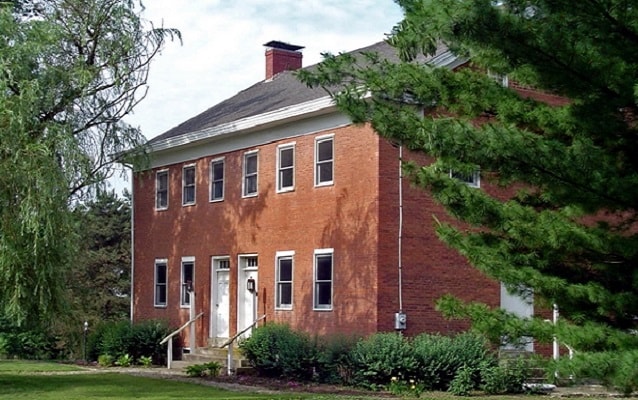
column 188, row 185
column 472, row 180
column 217, row 180
column 161, row 190
column 286, row 168
column 324, row 160
column 250, row 174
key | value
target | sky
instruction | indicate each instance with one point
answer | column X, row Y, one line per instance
column 223, row 53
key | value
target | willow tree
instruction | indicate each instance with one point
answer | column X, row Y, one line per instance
column 570, row 232
column 70, row 70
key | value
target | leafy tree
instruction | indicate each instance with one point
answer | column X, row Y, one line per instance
column 569, row 230
column 100, row 279
column 70, row 70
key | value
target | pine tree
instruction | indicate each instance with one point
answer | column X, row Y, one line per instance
column 569, row 231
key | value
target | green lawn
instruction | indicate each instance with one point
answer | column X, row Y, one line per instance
column 21, row 366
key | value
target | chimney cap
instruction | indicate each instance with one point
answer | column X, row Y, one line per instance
column 275, row 44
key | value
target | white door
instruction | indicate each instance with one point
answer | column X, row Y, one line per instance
column 220, row 298
column 521, row 305
column 246, row 300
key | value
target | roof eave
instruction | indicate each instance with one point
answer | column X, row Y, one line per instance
column 311, row 107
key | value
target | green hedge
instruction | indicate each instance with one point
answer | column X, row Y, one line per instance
column 121, row 338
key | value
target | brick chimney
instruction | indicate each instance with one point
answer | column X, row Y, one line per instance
column 281, row 57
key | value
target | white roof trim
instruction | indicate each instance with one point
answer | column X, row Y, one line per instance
column 446, row 59
column 244, row 123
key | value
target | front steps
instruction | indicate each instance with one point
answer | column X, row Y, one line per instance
column 207, row 354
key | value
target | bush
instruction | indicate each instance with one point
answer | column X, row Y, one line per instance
column 463, row 382
column 334, row 362
column 504, row 379
column 200, row 370
column 145, row 361
column 123, row 338
column 614, row 369
column 439, row 358
column 274, row 350
column 105, row 360
column 382, row 356
column 124, row 361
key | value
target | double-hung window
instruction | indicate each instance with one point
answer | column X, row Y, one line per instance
column 324, row 160
column 217, row 180
column 161, row 281
column 187, row 280
column 286, row 168
column 472, row 179
column 250, row 174
column 323, row 279
column 283, row 280
column 188, row 185
column 161, row 190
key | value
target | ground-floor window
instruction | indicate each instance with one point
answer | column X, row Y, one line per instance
column 188, row 280
column 160, row 283
column 283, row 277
column 323, row 267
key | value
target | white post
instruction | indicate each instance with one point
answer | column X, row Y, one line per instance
column 229, row 360
column 191, row 328
column 555, row 349
column 169, row 353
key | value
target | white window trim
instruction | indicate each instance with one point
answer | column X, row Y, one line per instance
column 194, row 184
column 165, row 262
column 476, row 179
column 319, row 252
column 210, row 186
column 278, row 167
column 188, row 259
column 167, row 188
column 278, row 255
column 243, row 175
column 316, row 174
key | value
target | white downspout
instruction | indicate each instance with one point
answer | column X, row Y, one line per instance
column 132, row 244
column 400, row 250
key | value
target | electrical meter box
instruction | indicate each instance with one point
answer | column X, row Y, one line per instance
column 400, row 321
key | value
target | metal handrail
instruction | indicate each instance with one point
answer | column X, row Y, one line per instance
column 169, row 338
column 229, row 343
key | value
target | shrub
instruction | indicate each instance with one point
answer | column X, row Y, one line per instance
column 334, row 362
column 145, row 361
column 439, row 358
column 124, row 361
column 463, row 382
column 145, row 339
column 105, row 360
column 614, row 369
column 275, row 350
column 32, row 344
column 380, row 357
column 504, row 379
column 200, row 370
column 123, row 338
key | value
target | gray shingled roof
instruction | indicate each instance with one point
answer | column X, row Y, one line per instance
column 282, row 91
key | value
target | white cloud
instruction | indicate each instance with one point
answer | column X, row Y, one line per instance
column 223, row 49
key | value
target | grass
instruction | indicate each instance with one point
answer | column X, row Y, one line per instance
column 38, row 380
column 109, row 386
column 22, row 366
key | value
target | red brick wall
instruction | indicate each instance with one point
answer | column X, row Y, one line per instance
column 343, row 216
column 430, row 269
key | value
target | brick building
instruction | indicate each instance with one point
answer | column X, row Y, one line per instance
column 276, row 188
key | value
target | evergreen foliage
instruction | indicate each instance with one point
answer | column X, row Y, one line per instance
column 565, row 224
column 70, row 70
